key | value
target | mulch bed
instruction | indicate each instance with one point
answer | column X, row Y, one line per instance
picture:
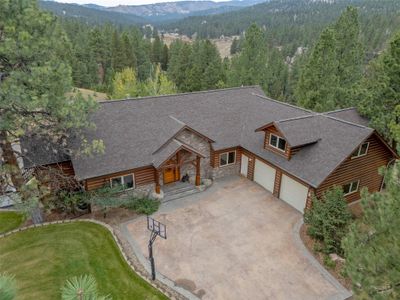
column 336, row 272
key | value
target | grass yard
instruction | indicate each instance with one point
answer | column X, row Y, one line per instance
column 43, row 258
column 10, row 220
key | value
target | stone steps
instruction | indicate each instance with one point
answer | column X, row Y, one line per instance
column 179, row 192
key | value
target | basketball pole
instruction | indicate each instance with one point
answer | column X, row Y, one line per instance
column 153, row 237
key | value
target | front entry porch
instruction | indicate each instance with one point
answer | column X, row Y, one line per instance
column 184, row 162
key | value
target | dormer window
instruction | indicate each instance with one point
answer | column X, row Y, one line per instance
column 277, row 142
column 361, row 151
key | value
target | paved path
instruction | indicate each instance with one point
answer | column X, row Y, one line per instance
column 235, row 241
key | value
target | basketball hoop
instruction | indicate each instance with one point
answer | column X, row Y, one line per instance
column 157, row 229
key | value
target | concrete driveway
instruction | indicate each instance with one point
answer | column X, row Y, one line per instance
column 235, row 241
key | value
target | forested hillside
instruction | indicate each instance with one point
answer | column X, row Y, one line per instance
column 295, row 23
column 90, row 15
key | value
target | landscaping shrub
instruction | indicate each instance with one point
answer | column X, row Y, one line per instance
column 143, row 205
column 372, row 245
column 328, row 220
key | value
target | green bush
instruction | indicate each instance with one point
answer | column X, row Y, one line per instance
column 143, row 205
column 328, row 220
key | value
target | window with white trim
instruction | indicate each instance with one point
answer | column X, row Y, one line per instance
column 277, row 142
column 361, row 151
column 351, row 187
column 126, row 181
column 227, row 158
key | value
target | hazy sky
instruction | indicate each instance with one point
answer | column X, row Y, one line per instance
column 117, row 2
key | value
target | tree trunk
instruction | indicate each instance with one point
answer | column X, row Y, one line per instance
column 10, row 162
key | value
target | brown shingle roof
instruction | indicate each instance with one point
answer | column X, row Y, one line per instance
column 134, row 129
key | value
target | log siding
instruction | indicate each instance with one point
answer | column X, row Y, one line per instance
column 143, row 176
column 364, row 168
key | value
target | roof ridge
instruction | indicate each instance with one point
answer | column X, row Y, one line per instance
column 296, row 118
column 177, row 120
column 178, row 94
column 283, row 103
column 339, row 110
column 344, row 121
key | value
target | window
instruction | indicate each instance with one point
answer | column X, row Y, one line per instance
column 361, row 151
column 125, row 181
column 277, row 142
column 351, row 187
column 227, row 158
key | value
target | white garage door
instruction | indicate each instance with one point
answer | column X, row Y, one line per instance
column 293, row 193
column 264, row 175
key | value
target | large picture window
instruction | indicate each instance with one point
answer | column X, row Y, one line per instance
column 277, row 142
column 126, row 181
column 227, row 158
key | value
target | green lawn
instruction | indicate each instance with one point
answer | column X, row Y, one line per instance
column 43, row 258
column 10, row 220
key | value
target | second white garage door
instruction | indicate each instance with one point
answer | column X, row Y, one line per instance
column 293, row 193
column 264, row 175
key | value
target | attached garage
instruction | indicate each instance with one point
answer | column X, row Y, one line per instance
column 264, row 175
column 294, row 193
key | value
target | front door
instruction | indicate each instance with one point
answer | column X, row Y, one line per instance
column 171, row 175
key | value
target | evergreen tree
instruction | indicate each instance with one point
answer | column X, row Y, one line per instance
column 156, row 48
column 350, row 55
column 372, row 245
column 35, row 77
column 318, row 84
column 129, row 53
column 165, row 58
column 234, row 46
column 179, row 63
column 328, row 220
column 250, row 66
column 117, row 52
column 278, row 73
column 378, row 94
column 334, row 66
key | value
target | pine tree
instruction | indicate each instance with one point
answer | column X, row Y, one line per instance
column 378, row 94
column 35, row 77
column 117, row 51
column 129, row 53
column 165, row 58
column 372, row 246
column 350, row 55
column 234, row 46
column 156, row 48
column 250, row 66
column 318, row 84
column 334, row 67
column 179, row 64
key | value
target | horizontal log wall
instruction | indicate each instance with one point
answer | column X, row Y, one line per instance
column 144, row 175
column 363, row 168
